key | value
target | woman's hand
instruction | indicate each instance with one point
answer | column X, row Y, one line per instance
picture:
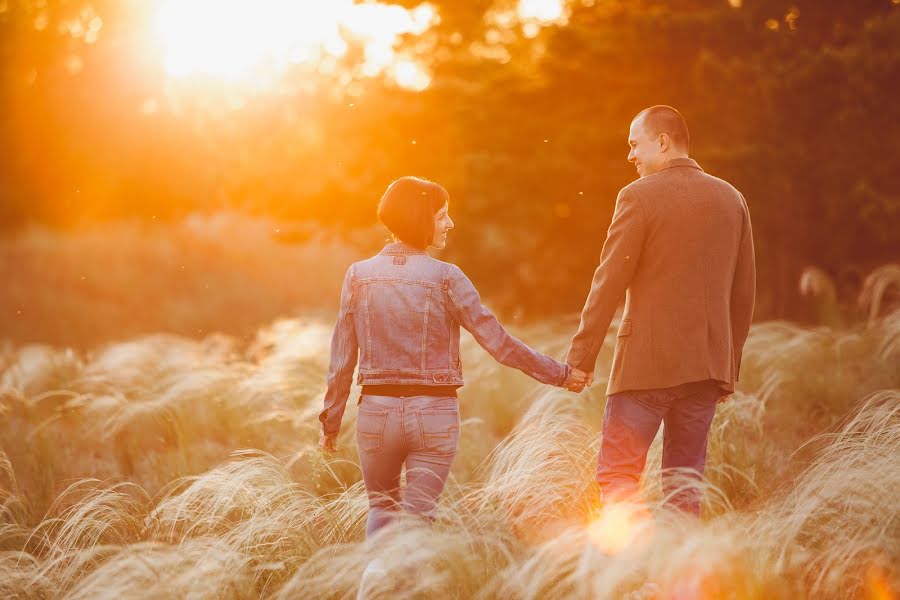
column 578, row 380
column 328, row 443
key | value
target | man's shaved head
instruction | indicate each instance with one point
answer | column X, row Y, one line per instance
column 665, row 119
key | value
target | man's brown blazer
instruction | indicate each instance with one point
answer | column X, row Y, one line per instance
column 680, row 248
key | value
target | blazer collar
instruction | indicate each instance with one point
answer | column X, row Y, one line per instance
column 681, row 162
column 400, row 248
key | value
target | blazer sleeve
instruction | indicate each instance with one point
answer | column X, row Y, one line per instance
column 344, row 353
column 743, row 289
column 618, row 260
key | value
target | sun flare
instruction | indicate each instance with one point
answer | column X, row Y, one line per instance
column 619, row 526
column 223, row 39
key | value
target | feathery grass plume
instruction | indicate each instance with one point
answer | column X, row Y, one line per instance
column 252, row 483
column 889, row 346
column 716, row 559
column 8, row 353
column 253, row 507
column 90, row 513
column 197, row 568
column 540, row 475
column 881, row 289
column 21, row 577
column 842, row 515
column 138, row 366
column 816, row 283
column 284, row 389
column 14, row 508
column 28, row 437
column 567, row 565
column 37, row 369
column 420, row 562
column 91, row 520
column 825, row 367
column 738, row 460
column 342, row 516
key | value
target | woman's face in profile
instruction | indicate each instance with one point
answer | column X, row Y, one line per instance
column 442, row 224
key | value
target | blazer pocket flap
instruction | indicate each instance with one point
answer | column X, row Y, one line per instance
column 625, row 328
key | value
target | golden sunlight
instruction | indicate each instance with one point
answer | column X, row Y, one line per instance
column 530, row 15
column 619, row 525
column 878, row 584
column 545, row 11
column 223, row 39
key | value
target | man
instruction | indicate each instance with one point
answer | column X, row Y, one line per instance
column 680, row 249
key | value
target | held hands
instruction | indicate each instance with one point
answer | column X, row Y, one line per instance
column 578, row 380
column 328, row 443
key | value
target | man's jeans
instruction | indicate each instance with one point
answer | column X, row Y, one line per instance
column 423, row 432
column 630, row 423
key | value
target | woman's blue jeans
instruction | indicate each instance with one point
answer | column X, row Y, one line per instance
column 421, row 432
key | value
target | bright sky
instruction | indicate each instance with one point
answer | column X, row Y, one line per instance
column 224, row 39
column 232, row 40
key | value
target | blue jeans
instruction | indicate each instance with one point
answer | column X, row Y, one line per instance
column 630, row 423
column 420, row 431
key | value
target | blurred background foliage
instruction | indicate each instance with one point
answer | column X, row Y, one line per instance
column 523, row 117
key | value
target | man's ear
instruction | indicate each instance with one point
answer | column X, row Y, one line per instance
column 665, row 142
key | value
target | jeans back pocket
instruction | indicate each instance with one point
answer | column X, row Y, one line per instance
column 370, row 429
column 440, row 430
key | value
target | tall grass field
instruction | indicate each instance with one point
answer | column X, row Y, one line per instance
column 167, row 466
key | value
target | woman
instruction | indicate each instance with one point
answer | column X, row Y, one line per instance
column 400, row 312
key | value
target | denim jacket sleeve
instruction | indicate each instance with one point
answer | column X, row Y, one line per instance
column 465, row 302
column 344, row 351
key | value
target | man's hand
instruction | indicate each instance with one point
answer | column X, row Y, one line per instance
column 328, row 443
column 578, row 380
column 723, row 398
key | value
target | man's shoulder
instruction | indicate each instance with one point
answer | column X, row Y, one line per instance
column 720, row 184
column 639, row 186
column 662, row 181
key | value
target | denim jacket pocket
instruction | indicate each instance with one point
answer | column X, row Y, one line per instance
column 370, row 429
column 440, row 430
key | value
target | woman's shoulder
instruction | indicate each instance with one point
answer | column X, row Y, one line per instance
column 375, row 265
column 447, row 268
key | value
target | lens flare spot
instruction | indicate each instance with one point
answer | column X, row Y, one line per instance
column 619, row 526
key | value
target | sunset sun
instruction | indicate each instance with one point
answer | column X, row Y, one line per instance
column 222, row 39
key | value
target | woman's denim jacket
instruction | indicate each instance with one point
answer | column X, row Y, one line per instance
column 401, row 311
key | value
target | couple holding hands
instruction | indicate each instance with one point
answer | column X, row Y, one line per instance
column 679, row 249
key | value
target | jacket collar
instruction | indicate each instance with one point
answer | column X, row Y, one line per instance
column 400, row 248
column 681, row 162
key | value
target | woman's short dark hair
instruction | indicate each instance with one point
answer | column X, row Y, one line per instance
column 407, row 209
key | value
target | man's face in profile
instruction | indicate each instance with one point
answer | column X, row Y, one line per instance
column 645, row 150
